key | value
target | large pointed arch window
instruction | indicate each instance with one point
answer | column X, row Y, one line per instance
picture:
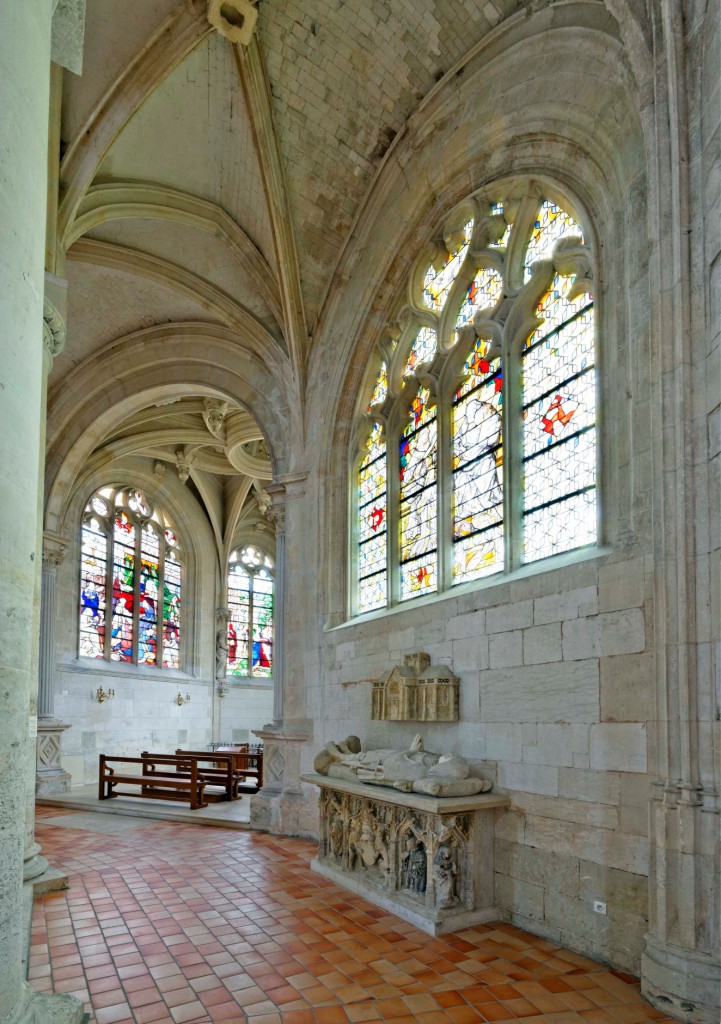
column 478, row 426
column 250, row 601
column 130, row 581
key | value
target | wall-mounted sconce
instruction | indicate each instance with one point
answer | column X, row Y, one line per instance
column 183, row 699
column 101, row 695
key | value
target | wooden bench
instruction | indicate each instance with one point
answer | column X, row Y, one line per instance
column 190, row 787
column 247, row 764
column 176, row 765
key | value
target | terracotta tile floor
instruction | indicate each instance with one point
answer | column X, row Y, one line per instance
column 174, row 924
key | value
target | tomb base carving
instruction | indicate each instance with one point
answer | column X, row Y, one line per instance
column 428, row 860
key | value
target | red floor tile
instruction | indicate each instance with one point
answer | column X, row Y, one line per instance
column 161, row 927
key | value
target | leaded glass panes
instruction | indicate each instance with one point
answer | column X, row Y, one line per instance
column 250, row 602
column 484, row 292
column 559, row 415
column 372, row 527
column 477, row 466
column 551, row 224
column 517, row 480
column 122, row 647
column 93, row 572
column 418, row 467
column 239, row 624
column 129, row 552
column 437, row 283
column 148, row 596
column 381, row 386
column 422, row 350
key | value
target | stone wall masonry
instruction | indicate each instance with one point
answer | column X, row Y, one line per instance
column 557, row 692
column 144, row 715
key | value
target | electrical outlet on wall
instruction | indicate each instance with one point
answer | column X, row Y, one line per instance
column 599, row 907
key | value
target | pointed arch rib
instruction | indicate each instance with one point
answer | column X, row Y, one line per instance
column 174, row 40
column 122, row 200
column 176, row 278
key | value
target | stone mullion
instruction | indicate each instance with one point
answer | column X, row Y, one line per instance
column 444, row 489
column 109, row 565
column 513, row 453
column 160, row 606
column 136, row 589
column 393, row 517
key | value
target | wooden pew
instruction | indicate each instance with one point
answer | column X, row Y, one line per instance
column 189, row 787
column 247, row 764
column 219, row 771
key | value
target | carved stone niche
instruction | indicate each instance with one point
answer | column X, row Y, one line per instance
column 416, row 691
column 428, row 860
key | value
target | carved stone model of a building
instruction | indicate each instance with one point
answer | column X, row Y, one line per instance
column 428, row 860
column 416, row 691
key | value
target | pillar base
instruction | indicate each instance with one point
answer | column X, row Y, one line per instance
column 50, row 776
column 33, row 864
column 37, row 1008
column 281, row 806
column 681, row 982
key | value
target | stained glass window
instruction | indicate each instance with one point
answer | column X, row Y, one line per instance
column 559, row 417
column 551, row 224
column 422, row 350
column 418, row 468
column 130, row 552
column 477, row 464
column 372, row 526
column 515, row 480
column 250, row 601
column 381, row 386
column 484, row 292
column 437, row 283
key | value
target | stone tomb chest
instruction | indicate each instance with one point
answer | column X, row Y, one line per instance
column 427, row 859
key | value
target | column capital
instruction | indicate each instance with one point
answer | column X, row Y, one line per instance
column 53, row 552
column 55, row 311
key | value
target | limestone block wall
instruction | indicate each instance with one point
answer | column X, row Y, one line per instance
column 144, row 715
column 557, row 697
column 245, row 707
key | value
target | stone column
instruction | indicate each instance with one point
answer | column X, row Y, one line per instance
column 681, row 963
column 24, row 92
column 50, row 777
column 279, row 806
column 276, row 514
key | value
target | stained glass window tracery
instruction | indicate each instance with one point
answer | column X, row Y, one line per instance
column 422, row 350
column 492, row 517
column 381, row 387
column 130, row 556
column 437, row 283
column 372, row 525
column 250, row 602
column 418, row 469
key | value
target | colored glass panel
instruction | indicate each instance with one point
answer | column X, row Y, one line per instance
column 93, row 575
column 437, row 283
column 422, row 350
column 239, row 624
column 262, row 651
column 418, row 515
column 381, row 386
column 372, row 526
column 477, row 463
column 171, row 611
column 559, row 413
column 484, row 292
column 552, row 223
column 148, row 596
column 122, row 646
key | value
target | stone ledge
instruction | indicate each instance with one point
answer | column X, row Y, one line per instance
column 416, row 801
